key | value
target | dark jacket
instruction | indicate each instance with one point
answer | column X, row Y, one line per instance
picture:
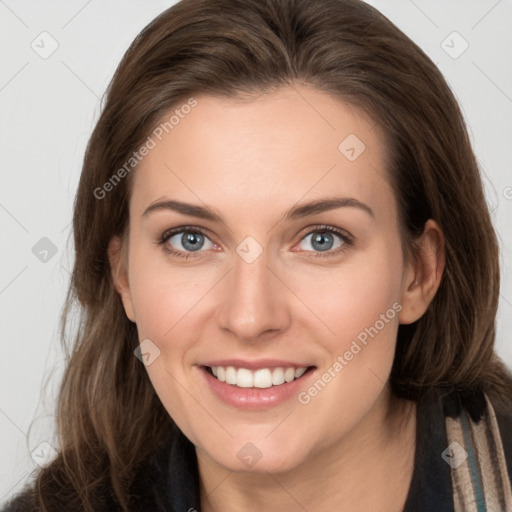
column 170, row 480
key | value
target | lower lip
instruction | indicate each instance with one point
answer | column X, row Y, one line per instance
column 254, row 398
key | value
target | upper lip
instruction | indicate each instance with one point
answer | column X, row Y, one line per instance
column 255, row 364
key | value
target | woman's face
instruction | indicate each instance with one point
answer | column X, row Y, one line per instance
column 266, row 285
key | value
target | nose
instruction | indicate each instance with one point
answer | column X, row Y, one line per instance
column 254, row 302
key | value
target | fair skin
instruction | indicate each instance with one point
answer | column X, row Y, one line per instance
column 251, row 161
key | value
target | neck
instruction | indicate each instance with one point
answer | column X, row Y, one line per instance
column 370, row 468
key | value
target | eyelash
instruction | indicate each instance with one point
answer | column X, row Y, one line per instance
column 348, row 241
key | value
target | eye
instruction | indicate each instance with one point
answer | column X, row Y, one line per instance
column 185, row 241
column 323, row 240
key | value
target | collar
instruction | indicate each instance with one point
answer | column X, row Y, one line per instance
column 430, row 487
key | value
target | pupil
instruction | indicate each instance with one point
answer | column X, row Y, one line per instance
column 193, row 239
column 321, row 239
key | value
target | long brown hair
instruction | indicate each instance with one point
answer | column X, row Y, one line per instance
column 109, row 417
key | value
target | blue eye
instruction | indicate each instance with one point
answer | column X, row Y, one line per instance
column 324, row 240
column 192, row 240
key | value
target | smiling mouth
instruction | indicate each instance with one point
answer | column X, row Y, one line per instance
column 261, row 378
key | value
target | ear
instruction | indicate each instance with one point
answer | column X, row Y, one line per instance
column 422, row 276
column 119, row 270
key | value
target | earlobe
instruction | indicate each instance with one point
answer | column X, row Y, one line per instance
column 119, row 272
column 423, row 276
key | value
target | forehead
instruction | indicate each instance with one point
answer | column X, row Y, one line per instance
column 255, row 154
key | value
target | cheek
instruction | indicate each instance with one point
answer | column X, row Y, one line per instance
column 164, row 295
column 361, row 307
column 165, row 301
column 350, row 299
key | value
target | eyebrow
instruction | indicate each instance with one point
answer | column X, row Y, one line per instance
column 297, row 212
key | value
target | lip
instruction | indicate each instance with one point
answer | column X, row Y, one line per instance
column 256, row 364
column 254, row 399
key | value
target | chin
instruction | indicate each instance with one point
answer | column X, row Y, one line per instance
column 257, row 456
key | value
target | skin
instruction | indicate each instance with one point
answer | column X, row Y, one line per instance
column 251, row 160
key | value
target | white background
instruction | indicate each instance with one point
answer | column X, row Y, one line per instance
column 48, row 109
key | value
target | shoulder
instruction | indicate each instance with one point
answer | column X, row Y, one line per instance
column 62, row 497
column 167, row 480
column 463, row 452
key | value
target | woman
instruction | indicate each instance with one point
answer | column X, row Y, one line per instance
column 287, row 274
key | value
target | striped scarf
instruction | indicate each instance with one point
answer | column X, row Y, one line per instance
column 479, row 474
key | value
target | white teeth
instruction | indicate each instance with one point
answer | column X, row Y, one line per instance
column 262, row 378
column 299, row 372
column 278, row 376
column 244, row 378
column 230, row 375
column 289, row 374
